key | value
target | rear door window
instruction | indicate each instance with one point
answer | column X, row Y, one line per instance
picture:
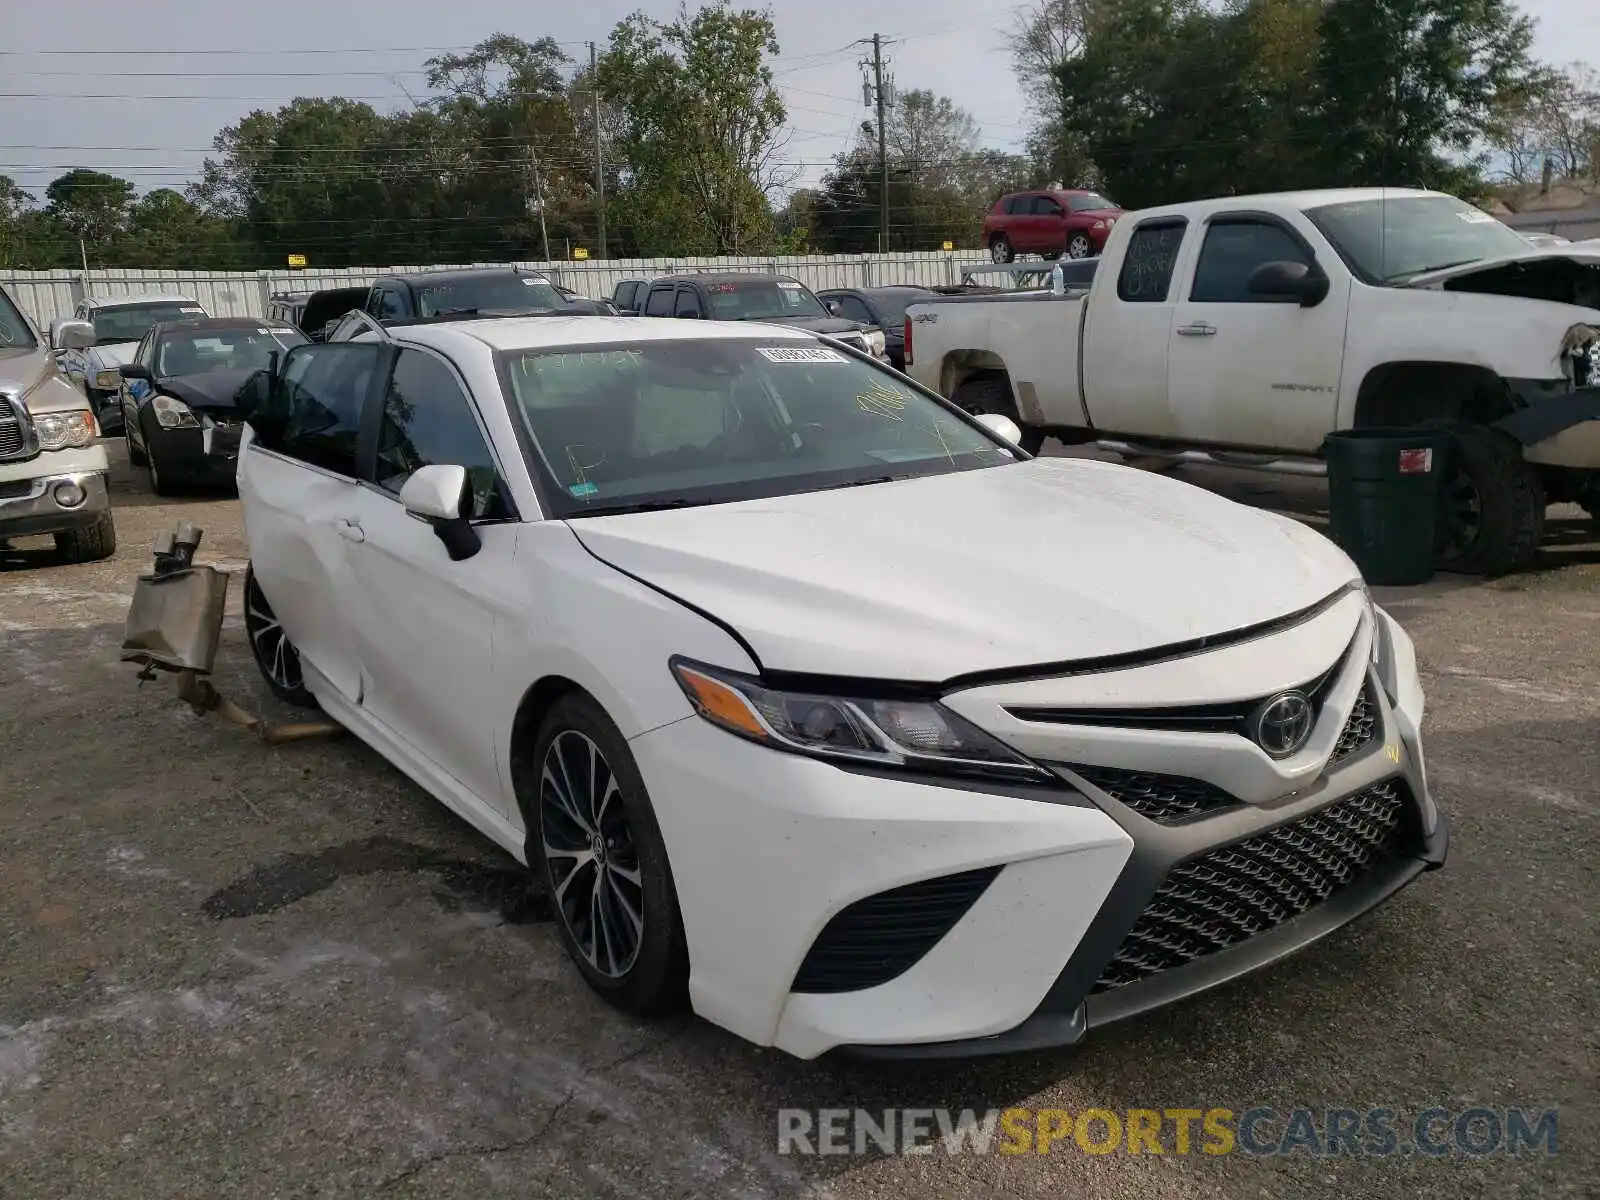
column 660, row 302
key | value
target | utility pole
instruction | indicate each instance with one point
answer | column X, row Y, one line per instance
column 599, row 153
column 536, row 201
column 883, row 146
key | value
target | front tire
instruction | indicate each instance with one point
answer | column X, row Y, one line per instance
column 92, row 543
column 594, row 843
column 1078, row 246
column 275, row 655
column 1491, row 518
column 136, row 455
column 159, row 483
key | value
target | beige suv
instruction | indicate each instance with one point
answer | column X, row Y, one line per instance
column 52, row 471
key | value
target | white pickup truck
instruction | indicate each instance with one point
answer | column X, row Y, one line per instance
column 1244, row 330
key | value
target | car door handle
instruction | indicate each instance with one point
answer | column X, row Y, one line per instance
column 350, row 530
column 1198, row 329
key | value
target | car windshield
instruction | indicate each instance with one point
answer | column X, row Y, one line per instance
column 14, row 331
column 1386, row 241
column 130, row 322
column 1088, row 202
column 242, row 349
column 762, row 300
column 655, row 424
column 489, row 293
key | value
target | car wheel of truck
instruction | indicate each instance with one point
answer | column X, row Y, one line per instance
column 1491, row 507
column 1000, row 249
column 1078, row 246
column 91, row 543
column 986, row 394
column 595, row 845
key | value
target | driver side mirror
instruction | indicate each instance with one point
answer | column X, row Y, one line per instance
column 71, row 335
column 1001, row 426
column 1289, row 282
column 135, row 371
column 436, row 494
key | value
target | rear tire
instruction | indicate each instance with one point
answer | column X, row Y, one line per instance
column 1491, row 518
column 1000, row 249
column 92, row 543
column 987, row 394
column 596, row 847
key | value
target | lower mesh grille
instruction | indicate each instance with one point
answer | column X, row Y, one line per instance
column 883, row 936
column 1233, row 893
column 1359, row 728
column 1166, row 799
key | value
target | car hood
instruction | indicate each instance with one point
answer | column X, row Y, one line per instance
column 1578, row 256
column 114, row 354
column 21, row 367
column 210, row 389
column 818, row 324
column 1044, row 561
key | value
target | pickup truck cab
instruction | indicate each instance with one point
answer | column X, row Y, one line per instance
column 52, row 471
column 1244, row 330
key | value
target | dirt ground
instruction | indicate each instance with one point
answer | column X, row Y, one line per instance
column 233, row 970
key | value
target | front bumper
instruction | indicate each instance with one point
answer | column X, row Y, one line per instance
column 33, row 506
column 206, row 456
column 1064, row 909
column 1557, row 427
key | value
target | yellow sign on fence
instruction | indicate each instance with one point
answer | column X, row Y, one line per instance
column 949, row 246
column 580, row 252
column 297, row 261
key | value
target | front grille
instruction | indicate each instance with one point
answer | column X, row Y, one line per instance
column 1360, row 727
column 883, row 936
column 1235, row 892
column 1166, row 799
column 10, row 429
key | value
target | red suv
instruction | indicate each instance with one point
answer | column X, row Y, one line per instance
column 1075, row 223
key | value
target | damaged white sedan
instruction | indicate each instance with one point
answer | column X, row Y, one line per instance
column 813, row 701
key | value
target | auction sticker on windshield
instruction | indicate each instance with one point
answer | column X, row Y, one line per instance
column 800, row 354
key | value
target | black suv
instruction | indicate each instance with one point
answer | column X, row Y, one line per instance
column 772, row 299
column 472, row 292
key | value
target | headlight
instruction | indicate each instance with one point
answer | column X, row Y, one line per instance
column 108, row 380
column 58, row 431
column 875, row 341
column 909, row 734
column 173, row 414
column 1100, row 224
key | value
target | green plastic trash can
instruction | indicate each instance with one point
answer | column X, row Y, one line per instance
column 1384, row 489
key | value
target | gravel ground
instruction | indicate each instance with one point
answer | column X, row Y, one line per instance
column 228, row 969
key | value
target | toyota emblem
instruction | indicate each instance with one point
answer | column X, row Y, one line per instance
column 1283, row 724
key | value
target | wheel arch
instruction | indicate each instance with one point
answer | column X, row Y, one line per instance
column 1411, row 392
column 543, row 695
column 958, row 366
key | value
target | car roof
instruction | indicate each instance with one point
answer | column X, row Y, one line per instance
column 144, row 298
column 883, row 289
column 725, row 277
column 199, row 324
column 533, row 333
column 461, row 274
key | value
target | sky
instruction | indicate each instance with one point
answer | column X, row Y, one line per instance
column 82, row 85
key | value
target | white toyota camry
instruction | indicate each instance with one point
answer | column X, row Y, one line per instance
column 813, row 701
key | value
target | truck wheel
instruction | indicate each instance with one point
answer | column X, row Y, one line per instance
column 987, row 394
column 91, row 543
column 1491, row 517
column 1000, row 248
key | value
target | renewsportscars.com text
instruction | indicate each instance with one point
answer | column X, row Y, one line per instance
column 1261, row 1131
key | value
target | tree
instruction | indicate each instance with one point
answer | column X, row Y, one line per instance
column 699, row 137
column 1557, row 118
column 1045, row 36
column 91, row 204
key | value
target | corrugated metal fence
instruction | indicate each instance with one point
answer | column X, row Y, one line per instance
column 47, row 295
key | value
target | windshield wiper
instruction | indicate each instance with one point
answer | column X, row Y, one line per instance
column 637, row 506
column 1425, row 270
column 864, row 482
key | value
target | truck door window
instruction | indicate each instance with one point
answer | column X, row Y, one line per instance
column 1147, row 267
column 688, row 303
column 854, row 310
column 1230, row 255
column 660, row 302
column 388, row 305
